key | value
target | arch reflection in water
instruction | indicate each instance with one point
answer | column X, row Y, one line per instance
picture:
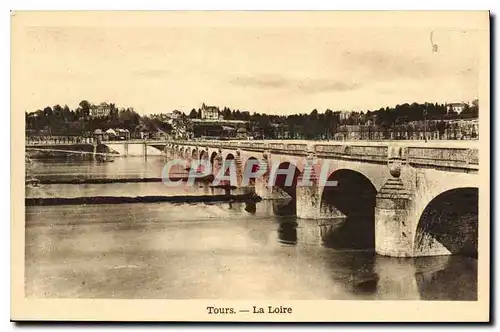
column 328, row 230
column 251, row 207
column 354, row 270
column 288, row 189
column 287, row 232
column 284, row 207
column 447, row 277
column 375, row 277
column 427, row 278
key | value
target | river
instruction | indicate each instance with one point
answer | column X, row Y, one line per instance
column 206, row 251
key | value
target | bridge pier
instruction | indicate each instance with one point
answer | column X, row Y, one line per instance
column 308, row 192
column 308, row 202
column 393, row 229
column 217, row 163
column 239, row 167
column 262, row 187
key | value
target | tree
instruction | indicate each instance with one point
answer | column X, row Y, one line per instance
column 67, row 114
column 226, row 113
column 84, row 105
column 47, row 111
column 85, row 108
column 58, row 112
column 193, row 114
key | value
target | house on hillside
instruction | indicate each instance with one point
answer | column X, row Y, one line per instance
column 100, row 111
column 210, row 112
column 455, row 107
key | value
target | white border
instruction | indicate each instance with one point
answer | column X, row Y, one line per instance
column 6, row 6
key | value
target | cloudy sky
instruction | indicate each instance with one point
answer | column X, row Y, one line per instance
column 264, row 68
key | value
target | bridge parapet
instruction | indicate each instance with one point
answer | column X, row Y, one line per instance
column 251, row 146
column 443, row 157
column 459, row 158
column 300, row 149
column 356, row 152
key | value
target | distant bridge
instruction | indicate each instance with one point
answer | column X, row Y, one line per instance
column 137, row 147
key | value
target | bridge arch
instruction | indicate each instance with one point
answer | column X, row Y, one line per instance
column 174, row 149
column 212, row 158
column 281, row 180
column 194, row 154
column 187, row 152
column 203, row 154
column 229, row 156
column 287, row 185
column 246, row 169
column 449, row 224
column 351, row 202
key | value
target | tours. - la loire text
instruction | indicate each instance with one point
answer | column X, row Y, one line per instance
column 255, row 310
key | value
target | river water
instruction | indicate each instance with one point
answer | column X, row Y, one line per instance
column 207, row 251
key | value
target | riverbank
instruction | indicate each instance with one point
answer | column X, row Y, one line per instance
column 96, row 200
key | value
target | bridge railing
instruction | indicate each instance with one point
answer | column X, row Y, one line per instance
column 418, row 156
column 443, row 157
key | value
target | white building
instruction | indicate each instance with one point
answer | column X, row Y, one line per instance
column 210, row 112
column 100, row 111
column 455, row 107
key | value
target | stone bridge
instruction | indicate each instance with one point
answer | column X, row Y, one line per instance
column 407, row 198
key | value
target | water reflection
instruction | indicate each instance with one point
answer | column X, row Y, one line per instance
column 132, row 245
column 447, row 278
column 284, row 207
column 229, row 251
column 287, row 232
column 251, row 207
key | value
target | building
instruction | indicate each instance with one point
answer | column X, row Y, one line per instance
column 216, row 128
column 344, row 115
column 100, row 111
column 98, row 135
column 123, row 134
column 210, row 112
column 111, row 133
column 455, row 107
column 174, row 115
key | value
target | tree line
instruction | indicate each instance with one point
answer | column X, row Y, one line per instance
column 402, row 117
column 61, row 120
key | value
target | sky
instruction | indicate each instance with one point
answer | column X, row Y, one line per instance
column 278, row 69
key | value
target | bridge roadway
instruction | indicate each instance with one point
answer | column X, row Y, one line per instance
column 141, row 147
column 430, row 143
